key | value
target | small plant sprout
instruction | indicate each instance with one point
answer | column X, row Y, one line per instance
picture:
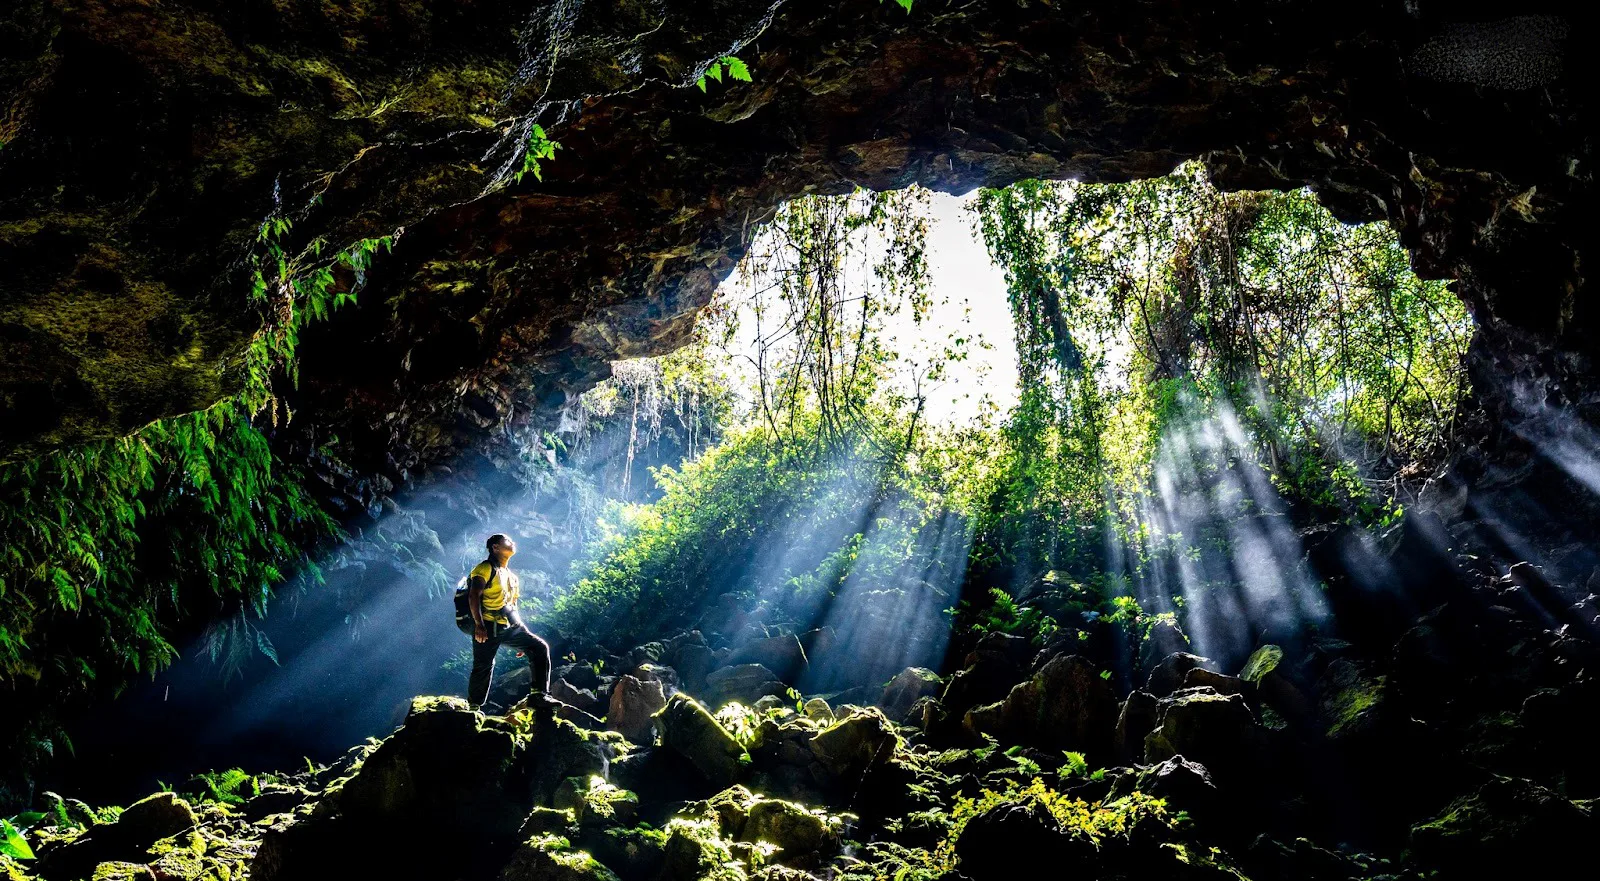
column 537, row 148
column 730, row 64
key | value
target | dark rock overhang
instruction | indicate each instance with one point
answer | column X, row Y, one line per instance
column 147, row 143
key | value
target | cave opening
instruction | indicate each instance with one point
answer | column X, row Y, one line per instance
column 1292, row 496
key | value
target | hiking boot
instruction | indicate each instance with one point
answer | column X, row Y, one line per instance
column 541, row 703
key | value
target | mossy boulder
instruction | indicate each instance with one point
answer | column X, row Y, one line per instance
column 691, row 732
column 145, row 822
column 183, row 858
column 151, row 819
column 906, row 688
column 547, row 821
column 793, row 828
column 1216, row 730
column 459, row 773
column 1350, row 703
column 1263, row 662
column 1267, row 670
column 122, row 871
column 633, row 852
column 745, row 683
column 696, row 851
column 1508, row 827
column 552, row 858
column 856, row 743
column 1167, row 675
column 993, row 842
column 1066, row 705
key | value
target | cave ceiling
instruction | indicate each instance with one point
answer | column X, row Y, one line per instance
column 146, row 143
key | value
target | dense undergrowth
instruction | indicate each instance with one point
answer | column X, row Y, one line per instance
column 1201, row 374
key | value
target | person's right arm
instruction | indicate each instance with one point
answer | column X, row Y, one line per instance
column 475, row 604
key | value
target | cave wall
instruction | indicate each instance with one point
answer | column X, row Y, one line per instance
column 146, row 143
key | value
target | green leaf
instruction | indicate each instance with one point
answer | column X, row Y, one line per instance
column 737, row 68
column 715, row 71
column 12, row 844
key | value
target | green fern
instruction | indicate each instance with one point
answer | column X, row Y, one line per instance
column 729, row 64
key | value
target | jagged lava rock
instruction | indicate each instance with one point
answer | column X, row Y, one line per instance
column 634, row 704
column 906, row 688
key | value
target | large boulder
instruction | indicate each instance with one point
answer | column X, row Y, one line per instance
column 584, row 699
column 997, row 839
column 145, row 822
column 799, row 832
column 783, row 655
column 852, row 746
column 691, row 732
column 551, row 858
column 464, row 775
column 695, row 851
column 1136, row 719
column 1507, row 828
column 1268, row 672
column 1184, row 785
column 694, row 662
column 745, row 683
column 1216, row 730
column 906, row 688
column 634, row 704
column 986, row 678
column 1067, row 705
column 1167, row 675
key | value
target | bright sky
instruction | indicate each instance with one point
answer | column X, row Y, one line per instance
column 968, row 300
column 969, row 293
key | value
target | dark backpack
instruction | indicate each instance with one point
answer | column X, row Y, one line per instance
column 464, row 622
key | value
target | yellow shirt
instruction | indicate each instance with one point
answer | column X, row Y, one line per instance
column 499, row 597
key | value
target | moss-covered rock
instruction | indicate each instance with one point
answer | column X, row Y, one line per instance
column 1506, row 828
column 848, row 748
column 635, row 852
column 1216, row 730
column 552, row 858
column 121, row 871
column 183, row 858
column 691, row 732
column 696, row 851
column 796, row 831
column 1349, row 703
column 138, row 827
column 906, row 688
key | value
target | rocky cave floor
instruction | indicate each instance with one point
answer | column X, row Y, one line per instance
column 1444, row 742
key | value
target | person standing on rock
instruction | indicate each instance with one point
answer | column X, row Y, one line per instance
column 492, row 598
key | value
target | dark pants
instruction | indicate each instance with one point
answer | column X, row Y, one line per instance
column 516, row 635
